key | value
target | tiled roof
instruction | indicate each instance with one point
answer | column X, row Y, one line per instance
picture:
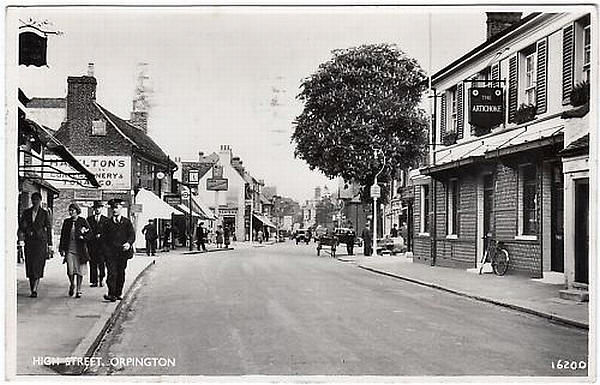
column 137, row 136
column 579, row 146
column 47, row 103
column 485, row 45
column 203, row 167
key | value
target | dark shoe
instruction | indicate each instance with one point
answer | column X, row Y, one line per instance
column 110, row 298
column 119, row 297
column 101, row 284
column 71, row 290
column 78, row 295
column 94, row 285
column 33, row 294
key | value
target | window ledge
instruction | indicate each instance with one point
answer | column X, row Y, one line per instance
column 451, row 236
column 423, row 234
column 526, row 238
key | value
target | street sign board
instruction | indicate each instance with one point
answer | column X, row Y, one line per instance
column 486, row 107
column 173, row 200
column 375, row 191
column 193, row 176
column 185, row 195
column 213, row 184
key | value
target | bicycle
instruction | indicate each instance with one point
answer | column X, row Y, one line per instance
column 497, row 255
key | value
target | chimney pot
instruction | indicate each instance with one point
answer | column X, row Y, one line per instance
column 90, row 69
column 498, row 22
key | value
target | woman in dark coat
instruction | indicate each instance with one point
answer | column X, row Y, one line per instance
column 35, row 231
column 73, row 238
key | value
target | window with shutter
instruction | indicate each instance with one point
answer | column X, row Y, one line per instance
column 495, row 73
column 512, row 88
column 443, row 117
column 541, row 76
column 567, row 70
column 459, row 111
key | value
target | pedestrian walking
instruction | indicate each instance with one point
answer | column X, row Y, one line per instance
column 394, row 231
column 226, row 237
column 201, row 237
column 219, row 236
column 35, row 236
column 260, row 236
column 120, row 237
column 151, row 236
column 367, row 240
column 167, row 232
column 96, row 244
column 351, row 237
column 267, row 234
column 74, row 235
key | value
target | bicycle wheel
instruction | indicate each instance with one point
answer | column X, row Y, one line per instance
column 501, row 262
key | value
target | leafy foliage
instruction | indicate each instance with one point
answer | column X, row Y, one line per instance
column 364, row 98
column 580, row 94
column 525, row 113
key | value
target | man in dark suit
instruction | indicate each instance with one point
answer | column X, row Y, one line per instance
column 119, row 239
column 35, row 235
column 96, row 249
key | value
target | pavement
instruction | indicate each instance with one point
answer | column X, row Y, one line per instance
column 281, row 310
column 56, row 325
column 512, row 291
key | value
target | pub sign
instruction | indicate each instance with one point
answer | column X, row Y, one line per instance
column 486, row 107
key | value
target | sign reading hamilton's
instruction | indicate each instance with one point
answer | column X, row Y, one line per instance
column 486, row 107
column 112, row 172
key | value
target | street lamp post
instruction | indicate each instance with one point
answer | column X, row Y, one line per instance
column 376, row 193
column 160, row 176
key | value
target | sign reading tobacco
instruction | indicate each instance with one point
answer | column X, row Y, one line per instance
column 486, row 107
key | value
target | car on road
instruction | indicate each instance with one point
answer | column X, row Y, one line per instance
column 390, row 245
column 302, row 235
column 344, row 234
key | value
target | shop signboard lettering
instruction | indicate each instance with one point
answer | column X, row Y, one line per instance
column 112, row 172
column 486, row 107
column 213, row 184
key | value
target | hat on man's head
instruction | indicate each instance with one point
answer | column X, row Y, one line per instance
column 116, row 201
column 97, row 204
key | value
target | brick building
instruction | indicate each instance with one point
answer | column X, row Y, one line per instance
column 121, row 155
column 524, row 178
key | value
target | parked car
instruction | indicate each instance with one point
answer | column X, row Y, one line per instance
column 302, row 235
column 343, row 234
column 390, row 245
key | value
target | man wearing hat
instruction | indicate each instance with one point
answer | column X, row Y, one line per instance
column 119, row 239
column 96, row 247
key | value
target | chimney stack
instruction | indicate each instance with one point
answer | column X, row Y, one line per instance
column 90, row 70
column 498, row 22
column 225, row 154
column 81, row 93
column 200, row 156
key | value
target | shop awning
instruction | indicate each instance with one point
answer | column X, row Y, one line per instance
column 47, row 166
column 265, row 221
column 203, row 209
column 528, row 139
column 185, row 210
column 153, row 206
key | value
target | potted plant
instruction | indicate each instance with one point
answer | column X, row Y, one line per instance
column 449, row 138
column 525, row 113
column 580, row 94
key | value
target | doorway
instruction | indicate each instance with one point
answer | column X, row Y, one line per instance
column 581, row 231
column 556, row 218
column 488, row 204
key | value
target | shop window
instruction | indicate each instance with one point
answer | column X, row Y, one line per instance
column 425, row 209
column 452, row 207
column 528, row 200
column 98, row 128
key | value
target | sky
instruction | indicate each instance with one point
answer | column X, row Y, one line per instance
column 230, row 75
